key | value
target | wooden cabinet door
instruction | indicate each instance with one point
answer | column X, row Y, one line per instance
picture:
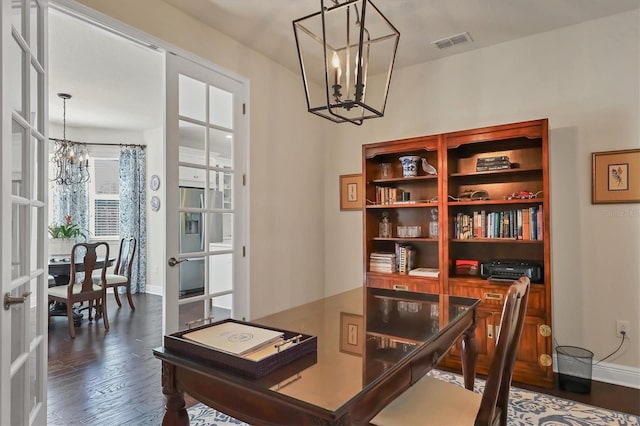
column 534, row 358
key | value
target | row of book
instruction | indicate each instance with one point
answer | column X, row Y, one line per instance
column 405, row 256
column 385, row 195
column 523, row 224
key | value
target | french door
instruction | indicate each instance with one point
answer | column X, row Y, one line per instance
column 206, row 196
column 23, row 315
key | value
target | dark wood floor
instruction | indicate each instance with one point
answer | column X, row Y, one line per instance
column 113, row 378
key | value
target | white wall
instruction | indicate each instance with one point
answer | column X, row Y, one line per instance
column 286, row 162
column 585, row 79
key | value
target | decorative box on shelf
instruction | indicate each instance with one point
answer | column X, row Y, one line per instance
column 280, row 348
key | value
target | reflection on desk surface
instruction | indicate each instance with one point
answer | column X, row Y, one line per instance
column 395, row 324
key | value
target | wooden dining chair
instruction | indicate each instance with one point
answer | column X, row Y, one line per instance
column 435, row 402
column 82, row 286
column 121, row 276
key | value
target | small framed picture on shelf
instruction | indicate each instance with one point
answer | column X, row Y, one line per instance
column 351, row 333
column 351, row 192
column 615, row 177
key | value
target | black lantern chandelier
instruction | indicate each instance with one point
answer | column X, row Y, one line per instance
column 346, row 52
column 71, row 158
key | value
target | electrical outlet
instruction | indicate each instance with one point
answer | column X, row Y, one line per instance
column 622, row 326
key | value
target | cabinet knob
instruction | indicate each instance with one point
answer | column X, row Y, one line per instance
column 546, row 360
column 545, row 330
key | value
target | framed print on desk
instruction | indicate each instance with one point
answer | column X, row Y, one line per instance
column 615, row 177
column 351, row 192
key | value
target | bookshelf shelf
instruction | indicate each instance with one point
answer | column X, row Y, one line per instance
column 457, row 157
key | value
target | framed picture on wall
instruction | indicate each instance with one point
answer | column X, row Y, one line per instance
column 351, row 192
column 616, row 176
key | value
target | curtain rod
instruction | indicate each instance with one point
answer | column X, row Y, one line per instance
column 121, row 145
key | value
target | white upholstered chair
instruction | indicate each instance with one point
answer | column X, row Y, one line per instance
column 435, row 402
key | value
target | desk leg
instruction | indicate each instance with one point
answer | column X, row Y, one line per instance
column 469, row 356
column 175, row 411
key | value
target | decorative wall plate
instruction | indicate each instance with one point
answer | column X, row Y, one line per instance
column 155, row 203
column 154, row 183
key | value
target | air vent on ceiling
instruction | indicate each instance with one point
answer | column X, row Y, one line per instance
column 443, row 43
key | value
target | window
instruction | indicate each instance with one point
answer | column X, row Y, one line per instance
column 104, row 198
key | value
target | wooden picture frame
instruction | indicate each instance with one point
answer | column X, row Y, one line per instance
column 351, row 192
column 351, row 333
column 615, row 177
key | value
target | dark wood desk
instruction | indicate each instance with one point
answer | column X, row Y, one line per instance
column 405, row 335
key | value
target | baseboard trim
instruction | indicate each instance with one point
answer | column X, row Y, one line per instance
column 153, row 289
column 614, row 374
column 617, row 375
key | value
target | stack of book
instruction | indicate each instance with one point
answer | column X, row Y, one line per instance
column 382, row 262
column 493, row 163
column 425, row 272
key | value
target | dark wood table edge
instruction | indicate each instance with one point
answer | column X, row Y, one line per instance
column 276, row 408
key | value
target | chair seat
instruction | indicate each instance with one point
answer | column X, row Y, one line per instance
column 111, row 278
column 61, row 291
column 431, row 402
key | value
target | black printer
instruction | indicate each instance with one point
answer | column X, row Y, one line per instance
column 511, row 270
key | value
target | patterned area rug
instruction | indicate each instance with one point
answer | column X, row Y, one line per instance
column 525, row 408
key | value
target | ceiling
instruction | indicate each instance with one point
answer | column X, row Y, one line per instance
column 116, row 83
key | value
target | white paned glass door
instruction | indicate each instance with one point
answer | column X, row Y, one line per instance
column 23, row 320
column 205, row 213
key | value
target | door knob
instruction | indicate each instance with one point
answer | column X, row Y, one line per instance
column 173, row 261
column 10, row 300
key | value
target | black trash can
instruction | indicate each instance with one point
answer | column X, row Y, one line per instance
column 574, row 368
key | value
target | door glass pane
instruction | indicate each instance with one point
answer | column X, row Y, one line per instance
column 35, row 169
column 220, row 272
column 37, row 234
column 191, row 198
column 192, row 276
column 34, row 394
column 192, row 98
column 191, row 233
column 220, row 190
column 222, row 307
column 192, row 143
column 18, row 327
column 220, row 107
column 195, row 178
column 227, row 180
column 191, row 312
column 221, row 146
column 33, row 28
column 220, row 231
column 33, row 311
column 17, row 10
column 18, row 147
column 16, row 62
column 17, row 393
column 35, row 80
column 18, row 213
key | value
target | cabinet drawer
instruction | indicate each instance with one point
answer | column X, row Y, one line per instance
column 400, row 282
column 493, row 295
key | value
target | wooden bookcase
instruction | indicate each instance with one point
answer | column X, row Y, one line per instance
column 455, row 157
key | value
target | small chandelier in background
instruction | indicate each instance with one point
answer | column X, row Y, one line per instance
column 346, row 54
column 71, row 158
